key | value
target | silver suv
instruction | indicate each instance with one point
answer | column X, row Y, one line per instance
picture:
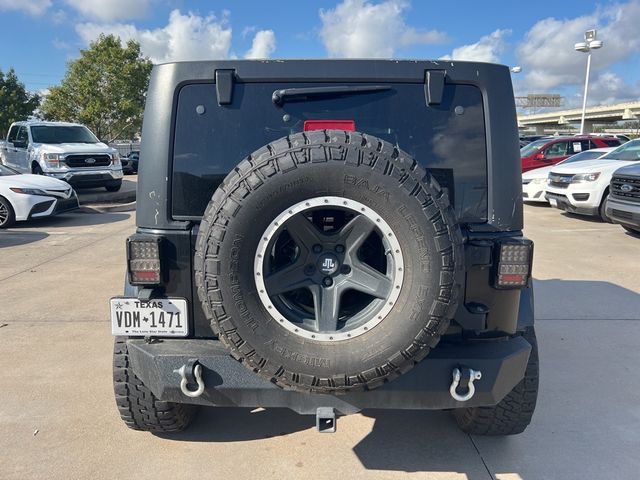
column 68, row 151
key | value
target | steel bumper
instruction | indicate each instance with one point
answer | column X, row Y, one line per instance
column 425, row 387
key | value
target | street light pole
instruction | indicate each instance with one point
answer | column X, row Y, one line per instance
column 589, row 44
column 584, row 97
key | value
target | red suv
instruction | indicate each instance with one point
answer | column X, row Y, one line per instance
column 551, row 150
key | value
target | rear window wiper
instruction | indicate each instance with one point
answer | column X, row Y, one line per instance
column 280, row 96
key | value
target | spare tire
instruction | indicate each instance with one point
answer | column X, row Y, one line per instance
column 329, row 261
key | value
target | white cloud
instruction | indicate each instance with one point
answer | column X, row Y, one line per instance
column 609, row 88
column 549, row 60
column 185, row 37
column 361, row 29
column 110, row 10
column 263, row 45
column 32, row 7
column 248, row 30
column 60, row 44
column 487, row 49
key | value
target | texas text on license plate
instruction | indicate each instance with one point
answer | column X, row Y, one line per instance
column 165, row 317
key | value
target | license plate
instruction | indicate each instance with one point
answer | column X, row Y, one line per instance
column 165, row 317
column 553, row 202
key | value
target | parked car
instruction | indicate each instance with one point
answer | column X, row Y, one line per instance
column 534, row 182
column 623, row 205
column 320, row 271
column 550, row 151
column 583, row 187
column 23, row 197
column 533, row 138
column 619, row 136
column 67, row 151
column 130, row 162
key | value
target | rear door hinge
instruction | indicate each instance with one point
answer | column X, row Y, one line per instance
column 434, row 86
column 224, row 86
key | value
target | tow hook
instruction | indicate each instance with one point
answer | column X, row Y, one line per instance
column 191, row 374
column 463, row 378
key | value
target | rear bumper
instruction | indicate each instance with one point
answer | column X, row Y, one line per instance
column 426, row 387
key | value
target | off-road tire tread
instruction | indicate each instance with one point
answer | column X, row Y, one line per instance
column 514, row 412
column 294, row 152
column 138, row 406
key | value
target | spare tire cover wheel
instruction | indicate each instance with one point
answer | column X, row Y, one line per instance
column 329, row 262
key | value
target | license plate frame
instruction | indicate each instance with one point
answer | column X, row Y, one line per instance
column 162, row 317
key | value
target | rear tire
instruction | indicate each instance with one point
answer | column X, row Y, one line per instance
column 514, row 412
column 139, row 408
column 7, row 215
column 603, row 210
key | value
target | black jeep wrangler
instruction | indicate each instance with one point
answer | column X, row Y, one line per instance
column 328, row 236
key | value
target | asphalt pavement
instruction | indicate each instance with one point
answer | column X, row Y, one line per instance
column 58, row 418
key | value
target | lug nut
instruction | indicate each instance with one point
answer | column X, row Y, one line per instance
column 317, row 248
column 309, row 270
column 327, row 281
column 345, row 269
column 339, row 248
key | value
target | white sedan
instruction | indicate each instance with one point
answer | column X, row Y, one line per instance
column 534, row 182
column 23, row 197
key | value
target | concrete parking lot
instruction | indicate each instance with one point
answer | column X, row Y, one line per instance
column 58, row 418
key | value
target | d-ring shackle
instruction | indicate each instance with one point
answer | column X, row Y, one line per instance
column 471, row 390
column 196, row 372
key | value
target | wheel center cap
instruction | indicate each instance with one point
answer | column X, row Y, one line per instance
column 328, row 263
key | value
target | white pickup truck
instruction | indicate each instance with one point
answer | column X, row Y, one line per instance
column 68, row 151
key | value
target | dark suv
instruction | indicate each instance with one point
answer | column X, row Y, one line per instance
column 623, row 203
column 328, row 236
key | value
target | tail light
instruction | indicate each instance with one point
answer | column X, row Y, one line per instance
column 513, row 264
column 143, row 260
column 310, row 125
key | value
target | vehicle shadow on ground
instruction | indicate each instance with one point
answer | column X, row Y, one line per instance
column 219, row 424
column 584, row 218
column 414, row 441
column 23, row 233
column 538, row 204
column 14, row 238
column 76, row 218
column 411, row 441
column 583, row 299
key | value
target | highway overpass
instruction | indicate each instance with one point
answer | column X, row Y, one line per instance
column 563, row 118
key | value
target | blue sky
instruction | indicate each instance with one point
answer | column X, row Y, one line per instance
column 38, row 37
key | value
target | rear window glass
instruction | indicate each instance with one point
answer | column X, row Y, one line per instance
column 210, row 140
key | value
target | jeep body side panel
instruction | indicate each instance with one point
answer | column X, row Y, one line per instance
column 504, row 206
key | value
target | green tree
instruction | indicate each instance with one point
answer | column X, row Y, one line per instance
column 103, row 89
column 15, row 102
